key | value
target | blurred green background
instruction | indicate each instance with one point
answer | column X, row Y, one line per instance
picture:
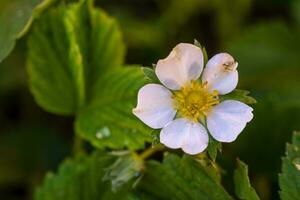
column 263, row 36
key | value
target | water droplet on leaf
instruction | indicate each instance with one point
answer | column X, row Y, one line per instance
column 103, row 132
column 296, row 163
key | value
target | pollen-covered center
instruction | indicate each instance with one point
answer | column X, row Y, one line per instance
column 194, row 101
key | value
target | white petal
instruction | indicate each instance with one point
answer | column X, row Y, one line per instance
column 221, row 74
column 155, row 106
column 227, row 120
column 184, row 63
column 182, row 133
column 172, row 135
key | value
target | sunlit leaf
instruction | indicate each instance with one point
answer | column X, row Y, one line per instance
column 114, row 97
column 70, row 47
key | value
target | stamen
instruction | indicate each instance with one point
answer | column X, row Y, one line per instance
column 194, row 101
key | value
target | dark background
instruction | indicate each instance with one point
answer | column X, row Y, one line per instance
column 263, row 36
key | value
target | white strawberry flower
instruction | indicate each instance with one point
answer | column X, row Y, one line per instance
column 180, row 106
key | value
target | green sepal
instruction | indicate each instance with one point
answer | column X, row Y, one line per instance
column 239, row 95
column 213, row 148
column 205, row 57
column 150, row 75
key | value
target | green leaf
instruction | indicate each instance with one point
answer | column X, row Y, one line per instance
column 114, row 97
column 289, row 179
column 243, row 189
column 124, row 169
column 70, row 48
column 181, row 178
column 80, row 179
column 15, row 18
column 48, row 64
column 176, row 178
column 239, row 95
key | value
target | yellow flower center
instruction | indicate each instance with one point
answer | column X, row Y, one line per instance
column 194, row 101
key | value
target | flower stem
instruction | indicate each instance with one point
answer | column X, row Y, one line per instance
column 151, row 150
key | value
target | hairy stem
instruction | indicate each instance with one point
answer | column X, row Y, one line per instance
column 151, row 150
